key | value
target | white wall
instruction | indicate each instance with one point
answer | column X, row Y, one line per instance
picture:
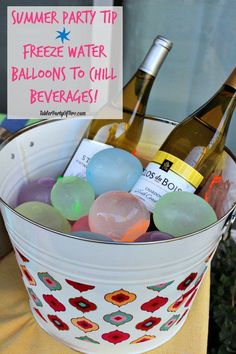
column 203, row 54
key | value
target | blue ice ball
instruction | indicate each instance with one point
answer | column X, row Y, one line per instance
column 113, row 170
column 91, row 236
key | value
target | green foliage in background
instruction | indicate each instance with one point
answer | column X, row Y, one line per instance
column 222, row 326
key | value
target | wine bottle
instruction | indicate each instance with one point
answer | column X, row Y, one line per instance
column 191, row 151
column 124, row 133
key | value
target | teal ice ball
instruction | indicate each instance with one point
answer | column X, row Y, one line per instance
column 181, row 213
column 72, row 196
column 113, row 170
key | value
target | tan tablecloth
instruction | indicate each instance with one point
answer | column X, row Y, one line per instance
column 20, row 334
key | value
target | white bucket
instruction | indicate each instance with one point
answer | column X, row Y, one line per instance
column 99, row 297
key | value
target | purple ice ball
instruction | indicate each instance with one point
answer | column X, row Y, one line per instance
column 152, row 236
column 38, row 190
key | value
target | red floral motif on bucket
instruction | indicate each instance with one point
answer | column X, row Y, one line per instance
column 186, row 282
column 23, row 258
column 120, row 297
column 115, row 337
column 39, row 313
column 84, row 324
column 27, row 275
column 143, row 339
column 54, row 303
column 210, row 256
column 183, row 298
column 148, row 323
column 190, row 299
column 82, row 304
column 200, row 277
column 154, row 304
column 183, row 315
column 58, row 323
column 79, row 286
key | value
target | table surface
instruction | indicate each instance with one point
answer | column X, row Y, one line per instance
column 20, row 334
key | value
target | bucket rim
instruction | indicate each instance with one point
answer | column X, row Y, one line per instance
column 53, row 120
column 174, row 239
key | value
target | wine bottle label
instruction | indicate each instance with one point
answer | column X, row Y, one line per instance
column 79, row 162
column 166, row 174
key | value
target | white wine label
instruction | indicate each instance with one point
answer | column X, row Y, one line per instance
column 155, row 182
column 79, row 162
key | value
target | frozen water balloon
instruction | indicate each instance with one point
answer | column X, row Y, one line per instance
column 181, row 213
column 72, row 196
column 152, row 236
column 81, row 225
column 45, row 215
column 37, row 190
column 119, row 215
column 92, row 236
column 113, row 170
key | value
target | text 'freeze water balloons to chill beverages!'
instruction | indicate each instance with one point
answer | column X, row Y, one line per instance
column 72, row 196
column 181, row 213
column 113, row 170
column 37, row 190
column 119, row 215
column 45, row 215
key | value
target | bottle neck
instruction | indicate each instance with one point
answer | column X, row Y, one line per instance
column 155, row 56
column 137, row 91
column 218, row 111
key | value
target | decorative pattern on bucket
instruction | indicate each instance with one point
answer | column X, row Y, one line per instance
column 75, row 311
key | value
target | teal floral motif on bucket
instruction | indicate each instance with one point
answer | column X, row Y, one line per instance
column 34, row 297
column 49, row 281
column 87, row 339
column 166, row 326
column 118, row 318
column 161, row 286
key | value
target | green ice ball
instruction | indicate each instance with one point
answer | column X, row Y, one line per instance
column 181, row 213
column 45, row 215
column 72, row 196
